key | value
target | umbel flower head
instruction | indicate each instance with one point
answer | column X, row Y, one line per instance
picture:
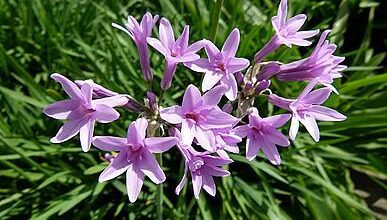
column 135, row 157
column 81, row 112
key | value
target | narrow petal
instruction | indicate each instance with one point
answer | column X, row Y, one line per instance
column 109, row 143
column 195, row 47
column 172, row 114
column 197, row 183
column 294, row 126
column 123, row 29
column 211, row 50
column 242, row 131
column 201, row 65
column 155, row 43
column 271, row 153
column 294, row 24
column 282, row 12
column 210, row 80
column 209, row 184
column 188, row 57
column 214, row 161
column 323, row 113
column 277, row 137
column 231, row 44
column 167, row 36
column 117, row 167
column 86, row 134
column 280, row 102
column 182, row 41
column 137, row 131
column 213, row 96
column 252, row 147
column 277, row 120
column 217, row 119
column 160, row 144
column 187, row 132
column 237, row 64
column 134, row 182
column 149, row 166
column 87, row 91
column 318, row 96
column 206, row 139
column 69, row 130
column 311, row 126
column 191, row 99
column 216, row 171
column 232, row 87
column 113, row 101
column 105, row 114
column 69, row 87
column 180, row 186
column 61, row 109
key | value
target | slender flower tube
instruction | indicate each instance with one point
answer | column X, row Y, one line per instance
column 135, row 157
column 139, row 33
column 286, row 32
column 175, row 52
column 307, row 109
column 81, row 112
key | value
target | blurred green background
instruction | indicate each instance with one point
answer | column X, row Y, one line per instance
column 341, row 177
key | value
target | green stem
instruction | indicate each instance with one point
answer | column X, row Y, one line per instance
column 215, row 19
column 159, row 193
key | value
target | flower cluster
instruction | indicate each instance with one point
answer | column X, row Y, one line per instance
column 203, row 132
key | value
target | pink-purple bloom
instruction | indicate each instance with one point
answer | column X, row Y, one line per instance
column 221, row 65
column 135, row 156
column 198, row 115
column 287, row 31
column 81, row 112
column 262, row 134
column 203, row 168
column 174, row 51
column 321, row 64
column 307, row 109
column 139, row 33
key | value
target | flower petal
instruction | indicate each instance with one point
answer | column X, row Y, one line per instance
column 277, row 120
column 232, row 87
column 191, row 99
column 210, row 79
column 180, row 186
column 242, row 131
column 213, row 96
column 70, row 88
column 155, row 43
column 61, row 109
column 317, row 96
column 323, row 113
column 252, row 147
column 134, row 182
column 311, row 126
column 209, row 184
column 187, row 132
column 109, row 143
column 113, row 101
column 231, row 44
column 172, row 114
column 149, row 166
column 117, row 167
column 197, row 183
column 206, row 139
column 160, row 144
column 86, row 134
column 166, row 34
column 271, row 152
column 69, row 130
column 294, row 126
column 182, row 41
column 105, row 114
column 137, row 131
column 237, row 64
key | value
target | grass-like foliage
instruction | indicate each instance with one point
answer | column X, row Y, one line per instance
column 41, row 180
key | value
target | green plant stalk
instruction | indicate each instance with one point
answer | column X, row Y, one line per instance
column 215, row 19
column 159, row 192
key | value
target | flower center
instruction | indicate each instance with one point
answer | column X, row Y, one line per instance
column 196, row 164
column 193, row 116
column 175, row 51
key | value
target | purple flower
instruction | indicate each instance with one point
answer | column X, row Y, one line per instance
column 174, row 51
column 220, row 66
column 307, row 109
column 135, row 157
column 262, row 134
column 321, row 64
column 198, row 115
column 81, row 112
column 203, row 168
column 139, row 33
column 226, row 141
column 287, row 32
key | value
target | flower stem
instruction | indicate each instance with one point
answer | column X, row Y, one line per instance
column 159, row 193
column 215, row 19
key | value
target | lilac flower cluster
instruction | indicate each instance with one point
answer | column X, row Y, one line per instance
column 202, row 131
